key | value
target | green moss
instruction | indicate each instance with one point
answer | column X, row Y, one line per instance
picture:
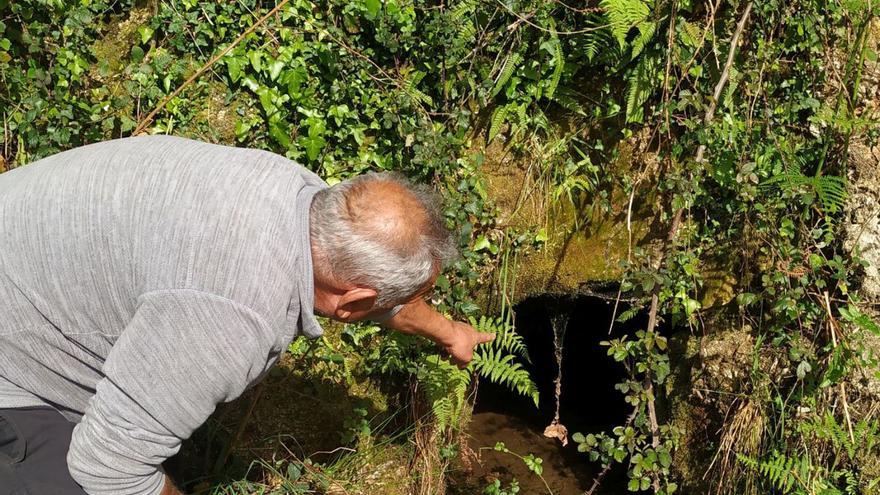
column 113, row 50
column 583, row 246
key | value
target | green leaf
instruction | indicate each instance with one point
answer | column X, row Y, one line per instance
column 146, row 33
column 137, row 54
column 623, row 15
column 499, row 116
column 233, row 66
column 279, row 134
column 373, row 7
column 541, row 237
column 256, row 59
column 507, row 69
column 481, row 243
column 275, row 69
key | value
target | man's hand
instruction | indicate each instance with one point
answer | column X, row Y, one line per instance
column 462, row 341
column 458, row 339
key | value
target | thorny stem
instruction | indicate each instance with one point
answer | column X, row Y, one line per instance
column 676, row 222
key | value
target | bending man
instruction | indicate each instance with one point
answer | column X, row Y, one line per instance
column 145, row 280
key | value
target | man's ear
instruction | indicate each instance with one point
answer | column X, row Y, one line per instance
column 355, row 301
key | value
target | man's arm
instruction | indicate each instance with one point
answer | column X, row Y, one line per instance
column 182, row 353
column 458, row 339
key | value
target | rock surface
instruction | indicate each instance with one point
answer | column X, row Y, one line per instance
column 863, row 219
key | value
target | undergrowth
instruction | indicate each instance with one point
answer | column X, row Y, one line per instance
column 741, row 114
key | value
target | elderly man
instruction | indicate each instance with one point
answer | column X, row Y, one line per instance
column 145, row 280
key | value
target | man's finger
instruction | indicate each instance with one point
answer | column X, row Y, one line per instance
column 482, row 338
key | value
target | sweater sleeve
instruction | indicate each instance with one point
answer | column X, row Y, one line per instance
column 182, row 353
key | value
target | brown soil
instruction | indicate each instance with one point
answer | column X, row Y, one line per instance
column 566, row 471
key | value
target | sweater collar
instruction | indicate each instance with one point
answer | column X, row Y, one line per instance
column 307, row 322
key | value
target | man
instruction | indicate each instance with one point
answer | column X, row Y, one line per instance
column 145, row 280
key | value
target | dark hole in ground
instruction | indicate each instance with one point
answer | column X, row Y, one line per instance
column 589, row 403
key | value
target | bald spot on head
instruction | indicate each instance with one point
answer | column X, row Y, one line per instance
column 389, row 213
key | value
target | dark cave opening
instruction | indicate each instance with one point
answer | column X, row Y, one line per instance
column 589, row 402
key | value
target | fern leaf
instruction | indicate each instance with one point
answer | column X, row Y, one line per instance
column 831, row 191
column 461, row 9
column 558, row 66
column 786, row 474
column 646, row 34
column 566, row 101
column 507, row 69
column 623, row 15
column 499, row 116
column 640, row 87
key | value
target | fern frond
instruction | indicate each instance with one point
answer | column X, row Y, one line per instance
column 598, row 42
column 466, row 33
column 506, row 337
column 499, row 116
column 461, row 9
column 500, row 368
column 507, row 69
column 623, row 15
column 629, row 314
column 558, row 66
column 690, row 34
column 496, row 361
column 565, row 99
column 640, row 87
column 831, row 191
column 646, row 34
column 787, row 474
column 445, row 387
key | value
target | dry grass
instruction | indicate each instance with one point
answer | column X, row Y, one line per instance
column 742, row 433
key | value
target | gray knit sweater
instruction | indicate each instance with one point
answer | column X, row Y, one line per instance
column 142, row 282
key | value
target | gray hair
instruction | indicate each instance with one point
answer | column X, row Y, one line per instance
column 395, row 255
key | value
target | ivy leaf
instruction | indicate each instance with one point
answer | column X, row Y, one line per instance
column 233, row 66
column 279, row 134
column 137, row 54
column 481, row 244
column 373, row 7
column 256, row 60
column 275, row 69
column 146, row 33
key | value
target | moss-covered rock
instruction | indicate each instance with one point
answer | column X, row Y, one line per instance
column 584, row 244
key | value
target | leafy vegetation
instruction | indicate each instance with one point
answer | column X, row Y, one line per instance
column 741, row 115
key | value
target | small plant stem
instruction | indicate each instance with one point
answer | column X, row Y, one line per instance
column 853, row 63
column 597, row 481
column 143, row 124
column 832, row 330
column 523, row 459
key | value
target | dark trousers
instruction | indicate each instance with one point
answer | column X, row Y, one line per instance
column 33, row 452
